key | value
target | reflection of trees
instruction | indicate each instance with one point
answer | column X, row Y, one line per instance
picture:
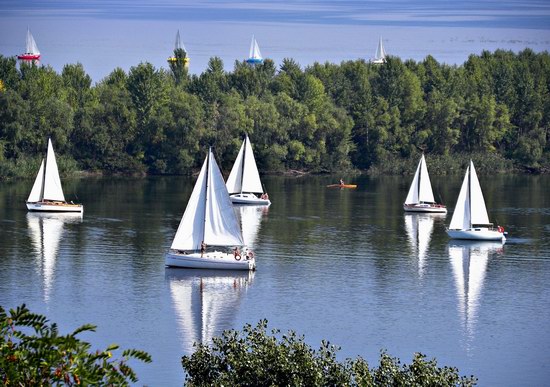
column 206, row 301
column 46, row 231
column 469, row 263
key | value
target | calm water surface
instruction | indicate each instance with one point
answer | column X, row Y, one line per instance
column 343, row 265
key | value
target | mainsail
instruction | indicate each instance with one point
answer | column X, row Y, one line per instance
column 32, row 48
column 244, row 176
column 209, row 215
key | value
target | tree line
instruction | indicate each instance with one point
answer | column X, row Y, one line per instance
column 321, row 118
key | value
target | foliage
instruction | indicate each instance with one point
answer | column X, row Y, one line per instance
column 32, row 352
column 255, row 358
column 322, row 118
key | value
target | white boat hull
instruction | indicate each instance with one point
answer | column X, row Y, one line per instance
column 55, row 207
column 480, row 234
column 248, row 199
column 429, row 208
column 210, row 260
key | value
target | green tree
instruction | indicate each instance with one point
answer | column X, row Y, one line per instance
column 255, row 358
column 33, row 353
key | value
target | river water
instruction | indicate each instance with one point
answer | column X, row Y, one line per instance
column 347, row 266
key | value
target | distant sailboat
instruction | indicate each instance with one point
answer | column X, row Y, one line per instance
column 470, row 219
column 47, row 193
column 209, row 219
column 179, row 49
column 380, row 56
column 255, row 56
column 421, row 197
column 244, row 180
column 31, row 53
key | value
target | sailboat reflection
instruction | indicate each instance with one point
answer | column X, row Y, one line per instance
column 419, row 229
column 469, row 263
column 250, row 218
column 206, row 301
column 46, row 230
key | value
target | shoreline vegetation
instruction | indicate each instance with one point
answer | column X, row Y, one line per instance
column 34, row 352
column 325, row 118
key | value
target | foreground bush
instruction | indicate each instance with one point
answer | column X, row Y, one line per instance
column 32, row 353
column 254, row 358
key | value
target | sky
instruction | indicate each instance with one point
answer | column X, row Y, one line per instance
column 103, row 34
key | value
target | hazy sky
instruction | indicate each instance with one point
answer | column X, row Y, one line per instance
column 104, row 34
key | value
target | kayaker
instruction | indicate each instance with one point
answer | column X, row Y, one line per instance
column 341, row 182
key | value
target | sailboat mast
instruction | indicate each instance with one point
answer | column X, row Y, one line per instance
column 44, row 175
column 470, row 195
column 244, row 159
column 206, row 195
column 419, row 179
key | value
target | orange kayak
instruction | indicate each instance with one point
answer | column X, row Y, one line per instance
column 342, row 186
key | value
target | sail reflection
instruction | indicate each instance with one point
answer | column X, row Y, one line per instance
column 419, row 229
column 206, row 301
column 46, row 231
column 250, row 218
column 469, row 263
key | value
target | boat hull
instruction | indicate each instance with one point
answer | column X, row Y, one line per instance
column 426, row 208
column 211, row 260
column 249, row 199
column 29, row 57
column 479, row 234
column 55, row 207
column 342, row 186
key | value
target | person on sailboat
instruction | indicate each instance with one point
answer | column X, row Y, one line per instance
column 203, row 248
column 237, row 253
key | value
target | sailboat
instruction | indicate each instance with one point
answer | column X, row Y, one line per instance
column 470, row 219
column 209, row 219
column 421, row 197
column 47, row 193
column 254, row 56
column 380, row 57
column 180, row 50
column 31, row 52
column 244, row 179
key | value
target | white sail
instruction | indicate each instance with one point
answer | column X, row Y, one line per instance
column 209, row 214
column 32, row 48
column 179, row 44
column 380, row 56
column 461, row 215
column 254, row 52
column 244, row 176
column 52, row 183
column 412, row 196
column 478, row 211
column 35, row 195
column 425, row 193
column 421, row 187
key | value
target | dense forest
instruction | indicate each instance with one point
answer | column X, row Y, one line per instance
column 322, row 118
